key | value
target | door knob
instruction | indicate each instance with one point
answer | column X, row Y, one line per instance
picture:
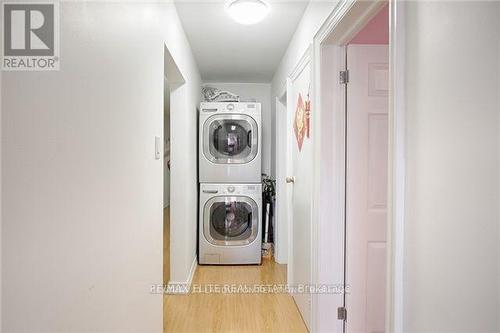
column 290, row 180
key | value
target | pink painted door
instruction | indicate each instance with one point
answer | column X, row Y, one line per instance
column 366, row 192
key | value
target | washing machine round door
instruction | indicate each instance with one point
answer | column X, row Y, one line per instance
column 230, row 139
column 231, row 220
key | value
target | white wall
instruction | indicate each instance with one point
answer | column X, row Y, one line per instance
column 183, row 175
column 314, row 16
column 82, row 228
column 452, row 233
column 498, row 168
column 1, row 200
column 262, row 93
column 452, row 215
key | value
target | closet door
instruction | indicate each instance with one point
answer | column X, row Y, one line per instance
column 366, row 195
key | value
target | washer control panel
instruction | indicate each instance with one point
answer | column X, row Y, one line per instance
column 230, row 189
column 237, row 189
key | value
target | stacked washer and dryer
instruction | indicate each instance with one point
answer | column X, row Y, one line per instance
column 230, row 184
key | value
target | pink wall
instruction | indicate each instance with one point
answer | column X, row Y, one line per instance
column 376, row 31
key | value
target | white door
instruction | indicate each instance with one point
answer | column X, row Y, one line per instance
column 300, row 167
column 366, row 181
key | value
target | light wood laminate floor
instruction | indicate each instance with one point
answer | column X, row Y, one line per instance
column 238, row 313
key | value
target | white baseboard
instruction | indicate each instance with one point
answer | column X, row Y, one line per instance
column 175, row 287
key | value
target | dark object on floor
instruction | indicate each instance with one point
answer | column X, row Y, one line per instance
column 268, row 197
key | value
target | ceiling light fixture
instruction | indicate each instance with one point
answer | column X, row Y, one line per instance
column 247, row 11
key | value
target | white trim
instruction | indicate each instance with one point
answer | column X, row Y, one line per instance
column 184, row 287
column 282, row 92
column 345, row 20
column 175, row 81
column 361, row 12
column 315, row 192
column 329, row 180
column 397, row 170
column 301, row 64
column 332, row 21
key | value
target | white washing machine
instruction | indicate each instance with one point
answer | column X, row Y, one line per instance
column 230, row 143
column 230, row 224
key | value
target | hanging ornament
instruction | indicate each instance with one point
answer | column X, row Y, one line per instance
column 308, row 114
column 299, row 126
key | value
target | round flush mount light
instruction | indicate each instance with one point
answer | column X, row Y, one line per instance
column 247, row 11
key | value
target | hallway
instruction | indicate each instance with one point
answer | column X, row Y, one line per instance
column 204, row 312
column 146, row 146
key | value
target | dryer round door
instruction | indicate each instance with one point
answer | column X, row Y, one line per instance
column 230, row 139
column 230, row 220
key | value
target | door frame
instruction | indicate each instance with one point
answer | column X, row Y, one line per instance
column 344, row 22
column 179, row 280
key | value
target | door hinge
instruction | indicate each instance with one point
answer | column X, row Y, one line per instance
column 344, row 77
column 341, row 313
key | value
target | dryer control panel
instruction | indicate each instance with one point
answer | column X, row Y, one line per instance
column 231, row 107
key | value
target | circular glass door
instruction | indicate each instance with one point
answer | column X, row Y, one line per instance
column 230, row 220
column 230, row 139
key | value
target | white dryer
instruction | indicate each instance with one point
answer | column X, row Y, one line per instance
column 230, row 143
column 230, row 224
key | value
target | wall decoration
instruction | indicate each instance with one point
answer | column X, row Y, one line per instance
column 299, row 126
column 308, row 115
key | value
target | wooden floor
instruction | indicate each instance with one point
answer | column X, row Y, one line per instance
column 238, row 313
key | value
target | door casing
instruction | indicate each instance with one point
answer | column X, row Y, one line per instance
column 327, row 56
column 343, row 23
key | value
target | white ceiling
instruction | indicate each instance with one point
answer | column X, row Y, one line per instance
column 229, row 52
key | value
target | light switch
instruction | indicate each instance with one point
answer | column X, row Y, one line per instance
column 157, row 147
